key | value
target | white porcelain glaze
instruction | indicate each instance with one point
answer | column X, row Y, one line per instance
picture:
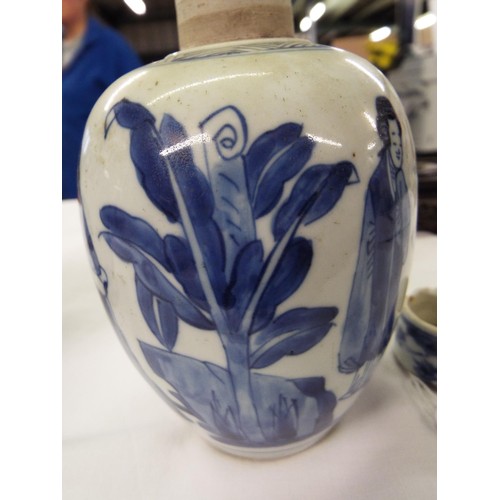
column 223, row 99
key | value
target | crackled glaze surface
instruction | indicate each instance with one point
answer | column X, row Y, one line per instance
column 250, row 210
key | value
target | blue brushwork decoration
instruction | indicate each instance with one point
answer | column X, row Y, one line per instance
column 383, row 250
column 215, row 274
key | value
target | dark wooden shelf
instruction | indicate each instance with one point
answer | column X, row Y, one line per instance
column 427, row 196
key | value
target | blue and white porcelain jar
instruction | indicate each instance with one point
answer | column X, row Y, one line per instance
column 249, row 208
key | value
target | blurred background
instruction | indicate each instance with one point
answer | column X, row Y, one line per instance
column 397, row 36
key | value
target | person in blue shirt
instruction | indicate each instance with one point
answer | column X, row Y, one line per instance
column 94, row 56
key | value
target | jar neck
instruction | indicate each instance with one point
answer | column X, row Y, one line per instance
column 214, row 21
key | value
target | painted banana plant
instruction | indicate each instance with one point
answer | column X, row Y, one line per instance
column 217, row 275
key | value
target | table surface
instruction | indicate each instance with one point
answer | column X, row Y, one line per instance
column 121, row 441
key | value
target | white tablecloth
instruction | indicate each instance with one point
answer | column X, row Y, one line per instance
column 121, row 441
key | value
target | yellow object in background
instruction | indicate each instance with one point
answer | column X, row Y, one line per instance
column 382, row 54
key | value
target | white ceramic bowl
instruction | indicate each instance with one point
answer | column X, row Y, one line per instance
column 416, row 335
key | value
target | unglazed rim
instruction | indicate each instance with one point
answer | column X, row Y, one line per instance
column 202, row 23
column 268, row 453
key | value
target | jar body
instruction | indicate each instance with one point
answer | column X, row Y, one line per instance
column 250, row 212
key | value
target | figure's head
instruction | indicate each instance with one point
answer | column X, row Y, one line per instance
column 395, row 146
column 389, row 130
column 73, row 12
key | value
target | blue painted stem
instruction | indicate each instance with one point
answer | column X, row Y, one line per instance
column 235, row 345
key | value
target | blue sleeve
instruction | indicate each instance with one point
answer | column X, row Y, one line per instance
column 104, row 57
column 116, row 56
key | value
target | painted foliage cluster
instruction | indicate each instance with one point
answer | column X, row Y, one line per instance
column 215, row 273
column 217, row 276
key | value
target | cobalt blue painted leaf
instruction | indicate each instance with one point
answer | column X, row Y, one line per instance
column 246, row 273
column 145, row 151
column 159, row 315
column 198, row 201
column 134, row 230
column 293, row 321
column 193, row 184
column 314, row 194
column 288, row 344
column 264, row 148
column 168, row 323
column 181, row 264
column 128, row 114
column 212, row 248
column 287, row 277
column 157, row 283
column 283, row 168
